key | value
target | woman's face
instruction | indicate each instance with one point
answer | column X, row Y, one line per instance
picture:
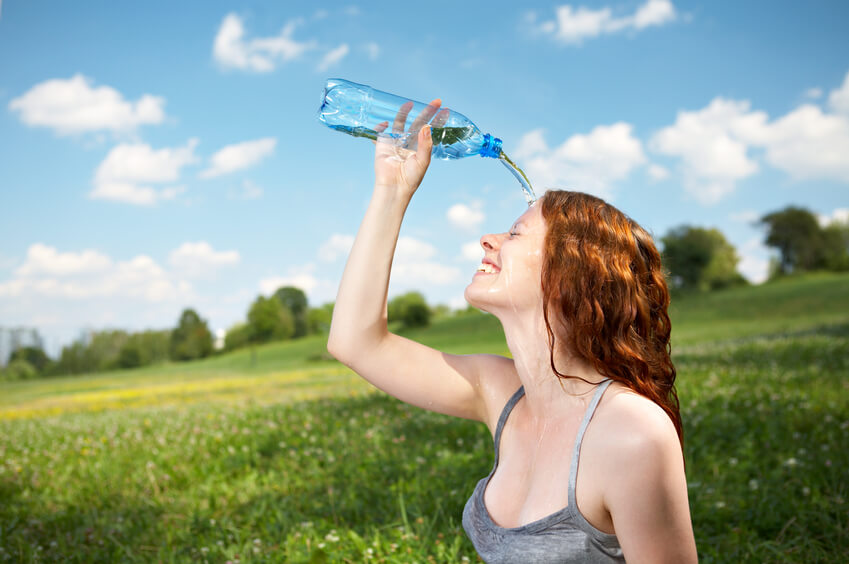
column 509, row 276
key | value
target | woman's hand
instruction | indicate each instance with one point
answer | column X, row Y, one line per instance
column 400, row 167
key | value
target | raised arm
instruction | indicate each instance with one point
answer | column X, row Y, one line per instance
column 359, row 336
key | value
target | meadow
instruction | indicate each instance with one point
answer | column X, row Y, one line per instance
column 280, row 454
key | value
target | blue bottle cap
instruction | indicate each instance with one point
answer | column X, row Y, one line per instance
column 491, row 146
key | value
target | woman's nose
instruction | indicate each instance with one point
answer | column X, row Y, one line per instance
column 489, row 242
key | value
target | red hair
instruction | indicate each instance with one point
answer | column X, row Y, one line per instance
column 602, row 279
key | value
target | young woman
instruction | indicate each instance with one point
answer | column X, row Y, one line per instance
column 588, row 444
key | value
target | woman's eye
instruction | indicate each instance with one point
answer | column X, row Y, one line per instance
column 513, row 233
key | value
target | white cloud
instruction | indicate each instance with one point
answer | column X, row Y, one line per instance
column 409, row 249
column 746, row 216
column 45, row 260
column 419, row 275
column 303, row 277
column 715, row 144
column 466, row 217
column 657, row 172
column 232, row 50
column 813, row 93
column 590, row 163
column 472, row 251
column 336, row 247
column 199, row 259
column 838, row 99
column 754, row 261
column 248, row 191
column 372, row 49
column 74, row 106
column 239, row 156
column 839, row 216
column 128, row 169
column 710, row 145
column 573, row 26
column 332, row 57
column 90, row 274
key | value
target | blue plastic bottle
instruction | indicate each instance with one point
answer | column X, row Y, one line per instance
column 358, row 110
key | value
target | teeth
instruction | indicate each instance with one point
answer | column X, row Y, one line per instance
column 487, row 268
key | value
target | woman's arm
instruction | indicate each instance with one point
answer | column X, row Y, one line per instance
column 359, row 336
column 648, row 499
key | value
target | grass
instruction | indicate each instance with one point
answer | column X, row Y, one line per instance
column 290, row 458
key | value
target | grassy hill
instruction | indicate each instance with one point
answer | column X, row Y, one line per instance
column 224, row 459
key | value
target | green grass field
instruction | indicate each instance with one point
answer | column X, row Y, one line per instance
column 282, row 455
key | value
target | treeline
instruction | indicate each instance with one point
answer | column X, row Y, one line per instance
column 696, row 259
column 701, row 259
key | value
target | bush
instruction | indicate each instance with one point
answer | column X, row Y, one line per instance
column 19, row 369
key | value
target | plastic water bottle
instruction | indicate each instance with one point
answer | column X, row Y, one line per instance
column 359, row 110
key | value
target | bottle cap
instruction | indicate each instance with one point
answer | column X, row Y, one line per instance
column 491, row 146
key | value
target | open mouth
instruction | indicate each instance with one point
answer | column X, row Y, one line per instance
column 488, row 268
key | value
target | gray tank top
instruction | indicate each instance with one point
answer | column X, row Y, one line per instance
column 562, row 537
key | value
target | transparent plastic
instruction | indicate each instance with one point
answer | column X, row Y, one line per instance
column 360, row 110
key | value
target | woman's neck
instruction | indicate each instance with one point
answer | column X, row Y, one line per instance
column 547, row 394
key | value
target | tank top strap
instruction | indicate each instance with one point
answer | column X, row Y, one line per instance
column 505, row 413
column 576, row 451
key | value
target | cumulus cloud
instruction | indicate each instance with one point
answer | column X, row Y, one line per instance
column 247, row 191
column 839, row 216
column 317, row 290
column 468, row 217
column 716, row 144
column 195, row 259
column 574, row 25
column 129, row 170
column 90, row 274
column 332, row 57
column 754, row 261
column 336, row 247
column 239, row 156
column 232, row 50
column 70, row 106
column 372, row 50
column 409, row 249
column 590, row 163
column 472, row 251
column 838, row 99
column 657, row 172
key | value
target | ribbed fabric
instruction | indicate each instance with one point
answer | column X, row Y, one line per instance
column 562, row 537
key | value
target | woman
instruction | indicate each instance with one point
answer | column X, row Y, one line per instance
column 579, row 292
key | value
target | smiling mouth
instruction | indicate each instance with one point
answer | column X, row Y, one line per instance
column 487, row 268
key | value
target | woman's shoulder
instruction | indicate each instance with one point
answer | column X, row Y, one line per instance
column 633, row 424
column 499, row 381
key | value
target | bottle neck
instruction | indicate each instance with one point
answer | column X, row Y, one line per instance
column 491, row 146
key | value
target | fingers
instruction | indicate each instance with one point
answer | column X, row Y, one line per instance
column 425, row 145
column 401, row 117
column 425, row 116
column 440, row 118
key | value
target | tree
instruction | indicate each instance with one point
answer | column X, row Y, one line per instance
column 295, row 301
column 269, row 320
column 191, row 339
column 237, row 336
column 410, row 309
column 18, row 369
column 802, row 244
column 700, row 259
column 35, row 356
column 319, row 318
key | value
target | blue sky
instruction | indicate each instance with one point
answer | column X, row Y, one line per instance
column 164, row 155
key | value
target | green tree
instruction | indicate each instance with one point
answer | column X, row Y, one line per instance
column 76, row 358
column 803, row 245
column 18, row 369
column 237, row 336
column 35, row 356
column 295, row 301
column 410, row 309
column 700, row 259
column 269, row 320
column 319, row 318
column 836, row 236
column 191, row 339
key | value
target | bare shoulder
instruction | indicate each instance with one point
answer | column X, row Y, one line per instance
column 635, row 426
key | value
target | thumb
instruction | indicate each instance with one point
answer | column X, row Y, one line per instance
column 425, row 147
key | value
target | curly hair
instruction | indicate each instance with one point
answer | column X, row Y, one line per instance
column 603, row 281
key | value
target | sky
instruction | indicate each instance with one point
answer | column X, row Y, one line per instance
column 158, row 155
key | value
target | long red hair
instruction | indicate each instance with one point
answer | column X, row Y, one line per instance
column 602, row 277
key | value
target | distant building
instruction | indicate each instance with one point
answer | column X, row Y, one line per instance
column 14, row 338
